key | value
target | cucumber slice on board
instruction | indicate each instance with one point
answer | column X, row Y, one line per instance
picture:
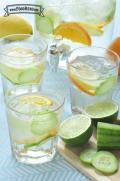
column 105, row 162
column 108, row 136
column 102, row 111
column 76, row 130
column 87, row 155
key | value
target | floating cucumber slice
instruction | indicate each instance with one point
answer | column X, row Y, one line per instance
column 87, row 155
column 29, row 75
column 105, row 162
column 44, row 25
column 43, row 139
column 106, row 86
column 44, row 123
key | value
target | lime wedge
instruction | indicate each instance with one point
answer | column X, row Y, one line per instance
column 105, row 111
column 106, row 86
column 44, row 123
column 76, row 130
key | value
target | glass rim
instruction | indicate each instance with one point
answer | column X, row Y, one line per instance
column 45, row 91
column 95, row 47
column 27, row 35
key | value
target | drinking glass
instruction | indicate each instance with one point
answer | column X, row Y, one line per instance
column 33, row 117
column 22, row 59
column 93, row 75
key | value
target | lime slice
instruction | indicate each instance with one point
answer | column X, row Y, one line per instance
column 76, row 130
column 36, row 99
column 44, row 123
column 106, row 86
column 103, row 111
column 105, row 162
column 87, row 155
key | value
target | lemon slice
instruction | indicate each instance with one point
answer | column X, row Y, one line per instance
column 92, row 29
column 36, row 100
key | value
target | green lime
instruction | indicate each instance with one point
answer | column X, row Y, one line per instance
column 102, row 111
column 76, row 130
column 87, row 155
column 105, row 162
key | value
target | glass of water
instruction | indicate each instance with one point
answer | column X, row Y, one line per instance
column 22, row 59
column 93, row 75
column 33, row 117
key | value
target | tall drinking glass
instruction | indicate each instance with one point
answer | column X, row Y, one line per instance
column 93, row 75
column 22, row 60
column 33, row 117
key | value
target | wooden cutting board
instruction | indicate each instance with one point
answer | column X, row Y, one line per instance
column 71, row 154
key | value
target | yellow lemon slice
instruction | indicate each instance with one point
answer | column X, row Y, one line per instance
column 36, row 100
column 73, row 31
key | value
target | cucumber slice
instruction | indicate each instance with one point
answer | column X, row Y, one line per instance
column 105, row 162
column 87, row 155
column 44, row 123
column 108, row 136
column 106, row 86
column 44, row 25
column 76, row 130
column 29, row 75
column 103, row 111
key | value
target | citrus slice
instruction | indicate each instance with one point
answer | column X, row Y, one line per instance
column 74, row 32
column 105, row 111
column 84, row 77
column 92, row 29
column 115, row 46
column 36, row 100
column 76, row 130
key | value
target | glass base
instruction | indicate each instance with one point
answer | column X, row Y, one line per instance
column 80, row 99
column 32, row 157
column 37, row 154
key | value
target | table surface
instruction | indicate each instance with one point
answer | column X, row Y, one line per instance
column 58, row 169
